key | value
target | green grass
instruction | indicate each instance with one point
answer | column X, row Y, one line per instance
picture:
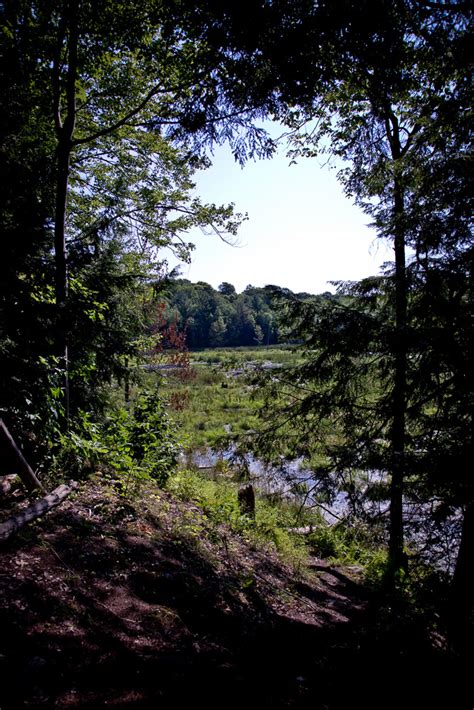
column 234, row 357
column 217, row 405
column 273, row 521
column 215, row 492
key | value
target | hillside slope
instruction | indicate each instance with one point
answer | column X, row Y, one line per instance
column 143, row 604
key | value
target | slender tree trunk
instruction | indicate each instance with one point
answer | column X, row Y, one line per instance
column 397, row 558
column 61, row 272
column 62, row 183
column 126, row 381
column 461, row 611
column 64, row 132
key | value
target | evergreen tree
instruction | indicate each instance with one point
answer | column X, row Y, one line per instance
column 384, row 111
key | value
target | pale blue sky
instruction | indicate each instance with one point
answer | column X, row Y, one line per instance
column 301, row 233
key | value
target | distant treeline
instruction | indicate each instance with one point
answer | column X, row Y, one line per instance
column 223, row 317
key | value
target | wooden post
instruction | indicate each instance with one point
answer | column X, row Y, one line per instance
column 246, row 498
column 13, row 461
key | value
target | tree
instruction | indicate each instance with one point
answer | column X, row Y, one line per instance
column 382, row 112
column 27, row 375
column 107, row 85
column 214, row 318
column 135, row 93
column 227, row 289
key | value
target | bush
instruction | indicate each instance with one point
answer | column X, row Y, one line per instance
column 324, row 542
column 152, row 437
column 79, row 450
column 136, row 444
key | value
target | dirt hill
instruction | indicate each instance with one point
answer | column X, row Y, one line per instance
column 146, row 604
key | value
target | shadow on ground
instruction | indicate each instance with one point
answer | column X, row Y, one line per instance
column 94, row 614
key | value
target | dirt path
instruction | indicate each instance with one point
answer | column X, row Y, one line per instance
column 110, row 604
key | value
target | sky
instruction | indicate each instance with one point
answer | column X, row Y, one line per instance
column 302, row 231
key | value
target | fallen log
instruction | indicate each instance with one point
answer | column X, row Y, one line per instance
column 306, row 530
column 36, row 510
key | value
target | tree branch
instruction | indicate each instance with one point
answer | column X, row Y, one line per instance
column 448, row 7
column 115, row 126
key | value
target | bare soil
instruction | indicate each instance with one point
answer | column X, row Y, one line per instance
column 145, row 604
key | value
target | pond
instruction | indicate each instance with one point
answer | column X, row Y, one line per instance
column 431, row 531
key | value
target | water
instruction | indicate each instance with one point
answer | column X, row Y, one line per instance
column 434, row 536
column 290, row 480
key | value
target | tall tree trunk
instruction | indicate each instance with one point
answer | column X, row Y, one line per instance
column 61, row 272
column 126, row 381
column 397, row 558
column 64, row 132
column 461, row 613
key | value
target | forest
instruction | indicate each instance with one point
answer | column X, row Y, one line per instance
column 225, row 318
column 170, row 453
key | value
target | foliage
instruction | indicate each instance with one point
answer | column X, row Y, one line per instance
column 221, row 318
column 79, row 451
column 224, row 318
column 129, row 446
column 105, row 117
column 353, row 546
column 218, row 499
column 26, row 312
column 383, row 108
column 151, row 437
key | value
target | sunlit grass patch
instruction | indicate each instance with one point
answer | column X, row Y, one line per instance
column 220, row 399
column 273, row 522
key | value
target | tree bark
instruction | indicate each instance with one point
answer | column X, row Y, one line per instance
column 461, row 611
column 396, row 554
column 397, row 558
column 60, row 255
column 126, row 381
column 64, row 132
column 13, row 461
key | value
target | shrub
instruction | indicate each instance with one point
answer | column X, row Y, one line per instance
column 136, row 444
column 153, row 442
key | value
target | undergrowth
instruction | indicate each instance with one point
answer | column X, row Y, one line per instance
column 136, row 444
column 278, row 523
column 218, row 500
column 131, row 445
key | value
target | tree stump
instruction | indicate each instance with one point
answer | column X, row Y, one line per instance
column 246, row 498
